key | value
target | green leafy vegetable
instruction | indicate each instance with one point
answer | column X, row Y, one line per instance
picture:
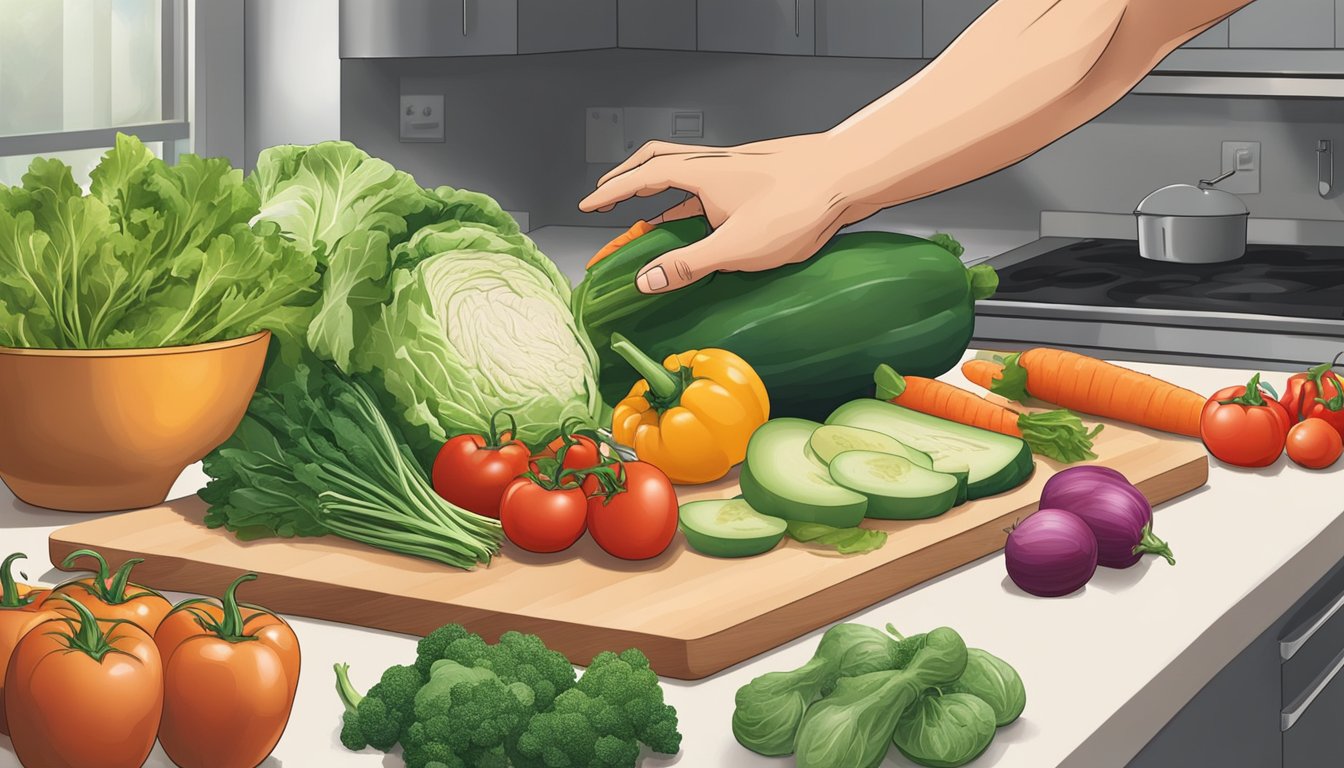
column 466, row 702
column 852, row 727
column 314, row 455
column 770, row 708
column 945, row 731
column 846, row 541
column 996, row 682
column 156, row 255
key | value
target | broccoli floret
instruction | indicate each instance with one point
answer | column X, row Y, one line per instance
column 516, row 658
column 472, row 726
column 627, row 683
column 582, row 731
column 380, row 717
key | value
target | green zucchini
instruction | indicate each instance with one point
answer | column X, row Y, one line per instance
column 994, row 462
column 729, row 528
column 814, row 330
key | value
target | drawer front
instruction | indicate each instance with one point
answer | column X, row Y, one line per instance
column 1311, row 642
column 1313, row 724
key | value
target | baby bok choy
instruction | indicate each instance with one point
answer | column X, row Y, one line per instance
column 770, row 708
column 853, row 726
column 945, row 730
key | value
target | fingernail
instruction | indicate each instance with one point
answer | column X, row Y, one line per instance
column 652, row 280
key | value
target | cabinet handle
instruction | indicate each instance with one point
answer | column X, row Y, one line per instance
column 1289, row 716
column 797, row 20
column 1290, row 645
column 464, row 17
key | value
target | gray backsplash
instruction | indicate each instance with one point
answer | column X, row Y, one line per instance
column 515, row 129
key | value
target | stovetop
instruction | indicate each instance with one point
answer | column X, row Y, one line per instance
column 1305, row 282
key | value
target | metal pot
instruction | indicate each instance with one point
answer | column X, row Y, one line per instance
column 1192, row 225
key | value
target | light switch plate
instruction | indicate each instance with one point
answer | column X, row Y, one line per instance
column 1245, row 157
column 422, row 118
column 605, row 134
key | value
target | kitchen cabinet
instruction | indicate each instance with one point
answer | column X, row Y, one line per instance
column 757, row 26
column 1284, row 24
column 945, row 19
column 875, row 28
column 415, row 28
column 1213, row 37
column 666, row 24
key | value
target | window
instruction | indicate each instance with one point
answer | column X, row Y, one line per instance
column 75, row 72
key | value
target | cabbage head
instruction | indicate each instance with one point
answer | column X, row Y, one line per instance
column 471, row 332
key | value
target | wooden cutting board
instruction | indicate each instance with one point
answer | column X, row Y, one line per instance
column 692, row 615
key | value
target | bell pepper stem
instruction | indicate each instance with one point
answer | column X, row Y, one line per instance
column 661, row 381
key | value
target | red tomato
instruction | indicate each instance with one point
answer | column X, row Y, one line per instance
column 1317, row 393
column 1314, row 444
column 583, row 453
column 541, row 519
column 1244, row 426
column 639, row 521
column 472, row 472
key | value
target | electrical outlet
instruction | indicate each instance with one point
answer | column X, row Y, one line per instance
column 1244, row 156
column 605, row 134
column 422, row 118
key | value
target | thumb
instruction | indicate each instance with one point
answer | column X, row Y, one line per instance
column 679, row 268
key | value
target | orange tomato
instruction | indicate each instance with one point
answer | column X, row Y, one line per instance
column 84, row 693
column 20, row 611
column 230, row 674
column 1314, row 443
column 112, row 596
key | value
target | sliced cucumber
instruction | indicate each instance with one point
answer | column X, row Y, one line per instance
column 958, row 469
column 995, row 463
column 896, row 488
column 780, row 479
column 832, row 439
column 729, row 528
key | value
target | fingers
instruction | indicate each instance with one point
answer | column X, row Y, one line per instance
column 645, row 153
column 679, row 268
column 645, row 181
column 687, row 208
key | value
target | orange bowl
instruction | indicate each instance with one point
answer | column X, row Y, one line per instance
column 109, row 429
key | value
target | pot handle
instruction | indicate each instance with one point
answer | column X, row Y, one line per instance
column 1207, row 183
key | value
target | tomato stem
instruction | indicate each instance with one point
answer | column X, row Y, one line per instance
column 1252, row 395
column 86, row 636
column 494, row 438
column 9, row 588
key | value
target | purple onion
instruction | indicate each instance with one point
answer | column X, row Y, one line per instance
column 1051, row 553
column 1118, row 513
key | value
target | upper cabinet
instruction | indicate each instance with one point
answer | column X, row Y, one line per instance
column 1284, row 24
column 877, row 28
column 666, row 24
column 945, row 19
column 757, row 26
column 413, row 28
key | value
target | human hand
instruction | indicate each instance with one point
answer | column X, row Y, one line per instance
column 769, row 203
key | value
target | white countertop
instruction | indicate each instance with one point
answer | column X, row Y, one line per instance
column 1105, row 668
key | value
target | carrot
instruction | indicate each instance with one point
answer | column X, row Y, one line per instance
column 637, row 230
column 1093, row 386
column 1059, row 435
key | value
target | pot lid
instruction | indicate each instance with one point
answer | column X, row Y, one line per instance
column 1187, row 200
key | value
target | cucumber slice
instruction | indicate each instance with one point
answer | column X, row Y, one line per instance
column 958, row 469
column 729, row 528
column 995, row 463
column 896, row 488
column 780, row 479
column 832, row 439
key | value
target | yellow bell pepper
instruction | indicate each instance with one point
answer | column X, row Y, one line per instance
column 692, row 416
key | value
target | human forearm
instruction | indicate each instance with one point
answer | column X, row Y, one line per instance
column 1025, row 74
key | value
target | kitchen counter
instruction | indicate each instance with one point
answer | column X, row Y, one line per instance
column 1105, row 668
